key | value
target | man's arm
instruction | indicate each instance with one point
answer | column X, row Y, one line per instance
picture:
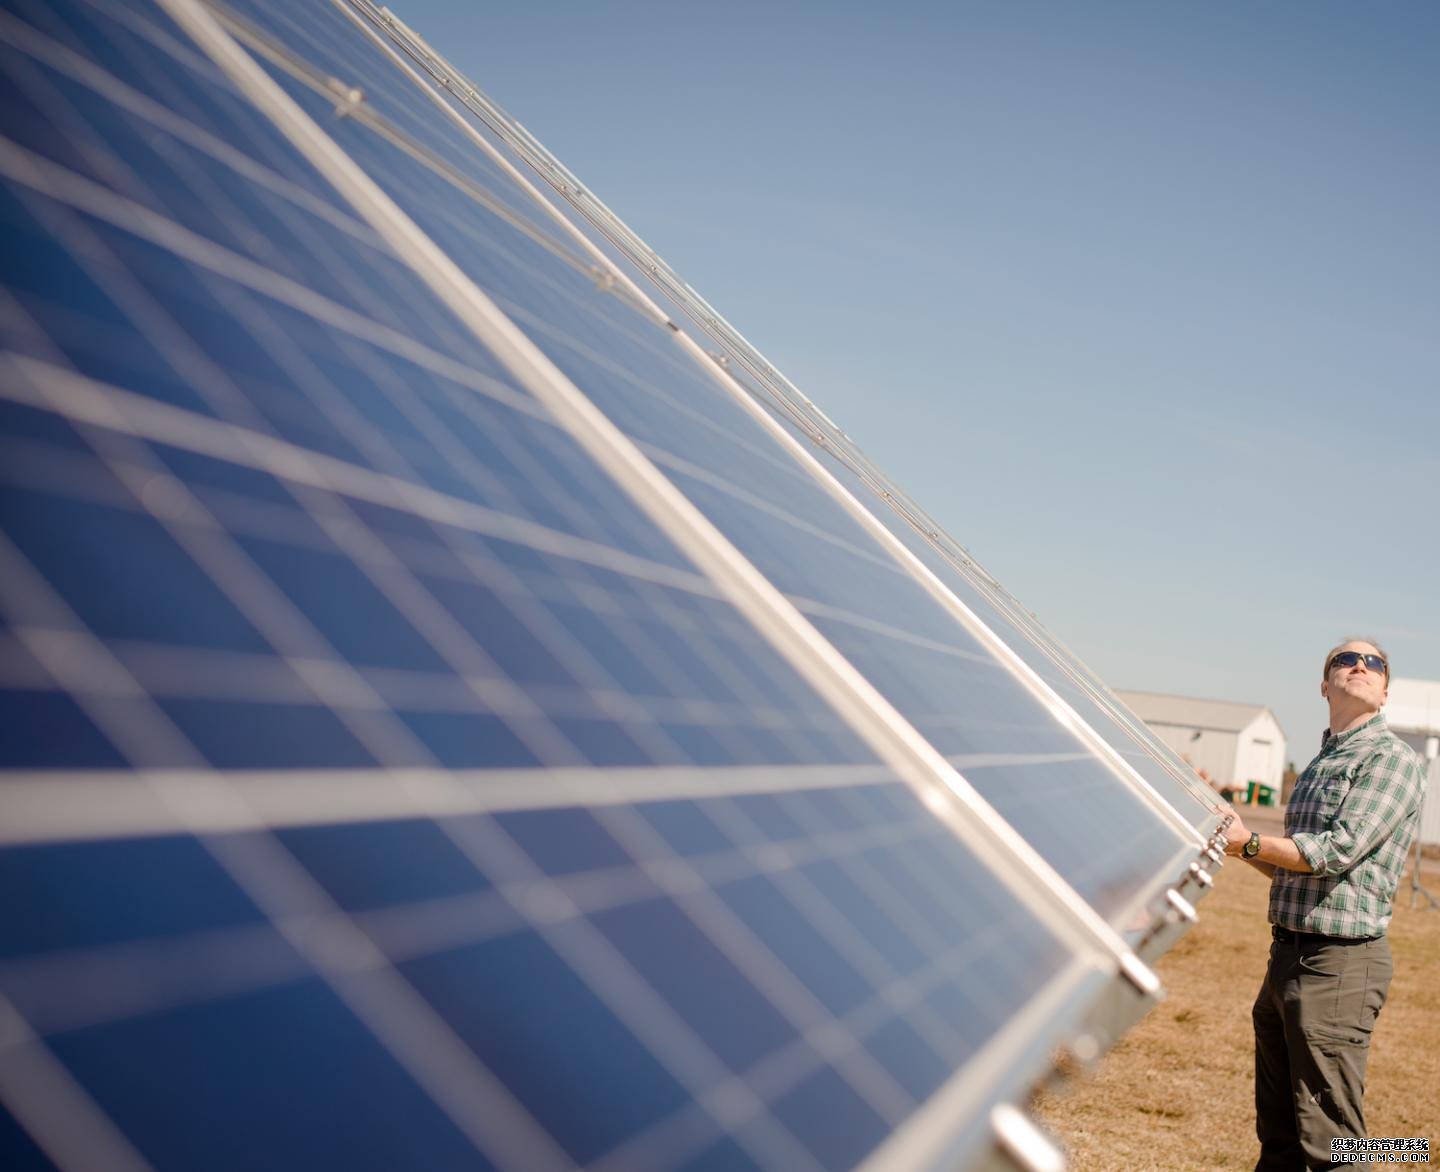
column 1275, row 852
column 1386, row 791
column 1377, row 803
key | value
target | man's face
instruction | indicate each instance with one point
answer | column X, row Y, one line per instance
column 1358, row 682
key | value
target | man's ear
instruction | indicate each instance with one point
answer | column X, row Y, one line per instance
column 1325, row 688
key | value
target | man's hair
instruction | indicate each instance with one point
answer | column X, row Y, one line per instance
column 1329, row 655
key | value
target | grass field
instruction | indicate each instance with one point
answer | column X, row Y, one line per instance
column 1176, row 1092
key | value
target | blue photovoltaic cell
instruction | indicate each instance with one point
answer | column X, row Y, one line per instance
column 563, row 842
column 372, row 865
column 395, row 792
column 20, row 1150
column 49, row 730
column 546, row 1034
column 835, row 1121
column 254, row 734
column 77, row 895
column 778, row 515
column 218, row 1086
column 130, row 578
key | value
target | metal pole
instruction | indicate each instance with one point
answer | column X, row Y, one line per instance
column 1432, row 778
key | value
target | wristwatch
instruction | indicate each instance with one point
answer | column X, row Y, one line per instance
column 1251, row 848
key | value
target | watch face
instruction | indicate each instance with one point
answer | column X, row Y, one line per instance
column 1251, row 848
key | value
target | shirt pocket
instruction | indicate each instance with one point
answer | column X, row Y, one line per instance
column 1332, row 793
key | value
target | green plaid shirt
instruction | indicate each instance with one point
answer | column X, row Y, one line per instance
column 1353, row 815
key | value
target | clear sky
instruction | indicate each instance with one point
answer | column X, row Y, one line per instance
column 1141, row 300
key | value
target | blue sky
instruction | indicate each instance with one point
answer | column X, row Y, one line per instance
column 1141, row 300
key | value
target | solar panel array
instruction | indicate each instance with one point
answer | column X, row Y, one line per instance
column 451, row 720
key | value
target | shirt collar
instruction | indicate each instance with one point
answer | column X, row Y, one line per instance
column 1329, row 740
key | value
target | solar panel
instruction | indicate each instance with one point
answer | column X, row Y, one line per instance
column 447, row 726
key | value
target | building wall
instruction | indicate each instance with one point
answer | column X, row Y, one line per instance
column 1260, row 753
column 1212, row 751
column 1430, row 817
column 1256, row 753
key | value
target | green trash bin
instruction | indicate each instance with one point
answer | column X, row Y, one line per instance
column 1265, row 795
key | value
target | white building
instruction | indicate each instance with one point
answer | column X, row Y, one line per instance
column 1413, row 713
column 1233, row 743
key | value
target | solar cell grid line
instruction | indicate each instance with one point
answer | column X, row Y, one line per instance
column 630, row 246
column 480, row 141
column 133, row 460
column 352, row 145
column 75, row 805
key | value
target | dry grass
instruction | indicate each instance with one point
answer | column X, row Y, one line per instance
column 1177, row 1092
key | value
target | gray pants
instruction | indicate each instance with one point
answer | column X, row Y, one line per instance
column 1313, row 1019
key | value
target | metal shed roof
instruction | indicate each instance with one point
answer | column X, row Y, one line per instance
column 1190, row 712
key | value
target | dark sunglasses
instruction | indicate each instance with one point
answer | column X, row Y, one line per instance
column 1350, row 658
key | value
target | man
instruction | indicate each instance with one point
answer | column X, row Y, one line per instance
column 1333, row 876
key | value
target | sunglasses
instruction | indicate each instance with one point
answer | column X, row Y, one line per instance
column 1350, row 658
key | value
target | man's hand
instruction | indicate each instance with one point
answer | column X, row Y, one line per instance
column 1236, row 836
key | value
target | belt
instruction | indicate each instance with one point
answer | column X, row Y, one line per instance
column 1287, row 936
